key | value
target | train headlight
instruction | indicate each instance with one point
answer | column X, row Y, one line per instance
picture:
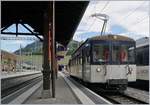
column 98, row 69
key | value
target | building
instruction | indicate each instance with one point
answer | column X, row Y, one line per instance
column 8, row 61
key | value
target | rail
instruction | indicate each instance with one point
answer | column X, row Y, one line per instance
column 14, row 89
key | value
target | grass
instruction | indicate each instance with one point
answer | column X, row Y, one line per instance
column 35, row 59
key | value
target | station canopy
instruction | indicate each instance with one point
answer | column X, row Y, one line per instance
column 67, row 16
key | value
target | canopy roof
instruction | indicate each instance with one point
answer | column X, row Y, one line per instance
column 67, row 16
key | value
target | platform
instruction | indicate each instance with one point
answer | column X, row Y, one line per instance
column 64, row 95
column 67, row 92
column 5, row 75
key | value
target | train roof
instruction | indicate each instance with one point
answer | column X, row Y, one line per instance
column 111, row 38
column 144, row 41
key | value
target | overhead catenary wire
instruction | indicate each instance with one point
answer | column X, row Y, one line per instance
column 94, row 5
column 141, row 20
column 132, row 12
column 105, row 6
column 94, row 9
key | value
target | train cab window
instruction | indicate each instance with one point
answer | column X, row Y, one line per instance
column 101, row 53
column 122, row 54
column 119, row 54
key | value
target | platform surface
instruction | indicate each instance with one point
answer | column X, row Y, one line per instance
column 16, row 74
column 64, row 95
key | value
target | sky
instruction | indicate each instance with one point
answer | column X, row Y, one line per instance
column 13, row 45
column 128, row 18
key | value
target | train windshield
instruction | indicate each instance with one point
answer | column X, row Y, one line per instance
column 116, row 53
column 123, row 54
column 101, row 53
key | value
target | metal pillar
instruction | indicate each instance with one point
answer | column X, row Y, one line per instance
column 53, row 56
column 56, row 66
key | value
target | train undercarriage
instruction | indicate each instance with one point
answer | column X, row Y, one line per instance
column 120, row 86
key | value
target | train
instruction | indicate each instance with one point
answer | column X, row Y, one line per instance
column 142, row 62
column 142, row 56
column 106, row 62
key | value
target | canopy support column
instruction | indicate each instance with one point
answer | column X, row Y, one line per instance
column 46, row 53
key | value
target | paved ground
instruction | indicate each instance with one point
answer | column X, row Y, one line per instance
column 64, row 95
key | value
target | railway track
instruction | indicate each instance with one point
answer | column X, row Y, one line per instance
column 116, row 97
column 122, row 99
column 11, row 93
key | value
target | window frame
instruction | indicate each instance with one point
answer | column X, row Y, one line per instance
column 110, row 44
column 103, row 43
column 127, row 43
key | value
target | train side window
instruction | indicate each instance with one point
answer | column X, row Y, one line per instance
column 88, row 54
column 76, row 60
column 80, row 60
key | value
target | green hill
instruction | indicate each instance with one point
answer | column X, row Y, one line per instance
column 35, row 48
column 72, row 46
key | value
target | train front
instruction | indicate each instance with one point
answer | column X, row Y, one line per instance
column 113, row 63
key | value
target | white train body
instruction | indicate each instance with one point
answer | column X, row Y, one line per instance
column 143, row 73
column 103, row 73
column 142, row 58
column 111, row 71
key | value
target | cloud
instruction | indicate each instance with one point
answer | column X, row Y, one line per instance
column 118, row 29
column 125, row 17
